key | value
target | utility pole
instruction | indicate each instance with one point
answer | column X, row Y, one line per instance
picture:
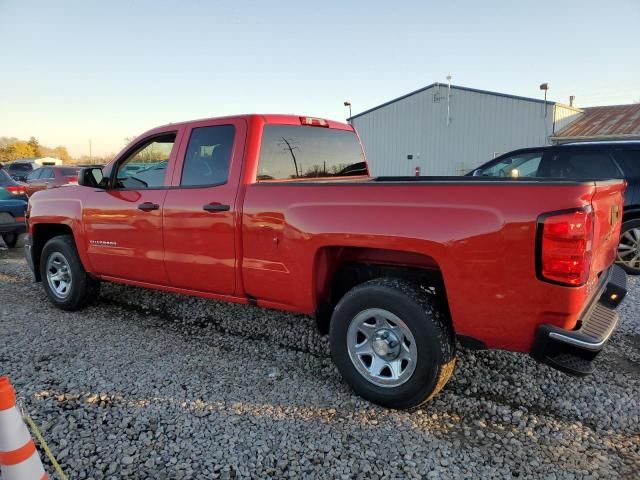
column 291, row 149
column 90, row 151
column 449, row 100
column 545, row 87
column 348, row 104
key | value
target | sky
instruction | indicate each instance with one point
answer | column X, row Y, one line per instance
column 102, row 71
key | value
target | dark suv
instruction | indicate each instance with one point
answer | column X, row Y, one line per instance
column 20, row 169
column 586, row 160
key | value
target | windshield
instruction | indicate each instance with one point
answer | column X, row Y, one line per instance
column 5, row 179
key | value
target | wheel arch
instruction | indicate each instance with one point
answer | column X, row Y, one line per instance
column 337, row 269
column 41, row 233
column 630, row 252
column 630, row 212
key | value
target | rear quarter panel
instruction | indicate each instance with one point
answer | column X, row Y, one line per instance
column 481, row 236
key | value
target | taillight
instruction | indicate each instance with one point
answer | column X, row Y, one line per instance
column 17, row 190
column 565, row 240
column 314, row 122
column 72, row 180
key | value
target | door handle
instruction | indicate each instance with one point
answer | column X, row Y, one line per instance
column 148, row 206
column 216, row 207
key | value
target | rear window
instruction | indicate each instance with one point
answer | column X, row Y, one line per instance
column 290, row 152
column 70, row 172
column 20, row 167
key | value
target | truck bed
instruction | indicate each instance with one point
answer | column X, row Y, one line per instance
column 479, row 233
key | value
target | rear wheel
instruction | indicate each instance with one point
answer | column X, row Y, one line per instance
column 10, row 239
column 391, row 344
column 629, row 247
column 64, row 279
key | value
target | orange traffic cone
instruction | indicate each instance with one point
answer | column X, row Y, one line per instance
column 19, row 458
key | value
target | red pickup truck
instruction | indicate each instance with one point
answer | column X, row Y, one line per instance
column 279, row 211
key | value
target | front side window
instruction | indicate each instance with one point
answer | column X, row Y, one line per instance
column 147, row 165
column 290, row 152
column 208, row 156
column 519, row 165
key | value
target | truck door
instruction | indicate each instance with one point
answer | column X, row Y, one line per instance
column 124, row 222
column 201, row 210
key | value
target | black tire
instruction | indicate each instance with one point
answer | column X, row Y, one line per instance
column 633, row 224
column 10, row 239
column 83, row 290
column 433, row 334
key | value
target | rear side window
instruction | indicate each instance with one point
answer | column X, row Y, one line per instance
column 70, row 172
column 581, row 166
column 630, row 160
column 290, row 152
column 208, row 156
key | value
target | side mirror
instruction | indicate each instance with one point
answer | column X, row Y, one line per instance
column 477, row 172
column 90, row 177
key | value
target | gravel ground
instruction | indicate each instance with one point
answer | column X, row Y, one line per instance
column 155, row 385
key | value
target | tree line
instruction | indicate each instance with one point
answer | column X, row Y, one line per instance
column 12, row 148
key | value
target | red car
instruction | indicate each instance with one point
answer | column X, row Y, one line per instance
column 279, row 211
column 51, row 176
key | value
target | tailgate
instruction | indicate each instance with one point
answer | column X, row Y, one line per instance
column 607, row 203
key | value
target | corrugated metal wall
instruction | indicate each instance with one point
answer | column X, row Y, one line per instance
column 481, row 127
column 564, row 115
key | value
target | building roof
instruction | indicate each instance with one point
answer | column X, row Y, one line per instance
column 453, row 87
column 615, row 121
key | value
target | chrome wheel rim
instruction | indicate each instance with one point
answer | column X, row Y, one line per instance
column 381, row 347
column 59, row 275
column 629, row 248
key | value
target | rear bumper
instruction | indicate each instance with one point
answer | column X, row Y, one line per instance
column 573, row 351
column 14, row 227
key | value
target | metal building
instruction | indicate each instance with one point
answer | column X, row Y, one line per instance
column 448, row 130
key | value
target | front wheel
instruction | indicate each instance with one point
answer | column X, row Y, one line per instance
column 629, row 247
column 391, row 344
column 64, row 279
